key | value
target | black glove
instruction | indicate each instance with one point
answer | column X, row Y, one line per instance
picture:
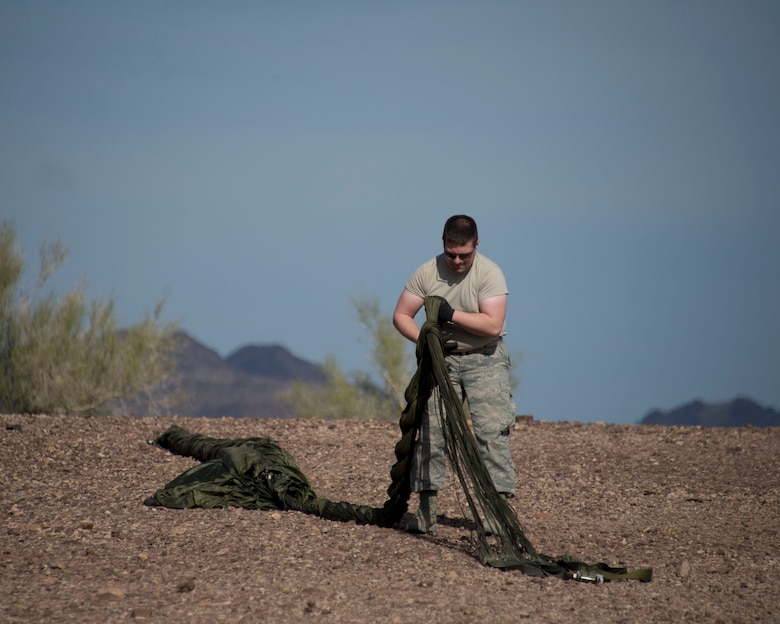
column 445, row 311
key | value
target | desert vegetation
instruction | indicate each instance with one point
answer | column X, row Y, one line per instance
column 66, row 354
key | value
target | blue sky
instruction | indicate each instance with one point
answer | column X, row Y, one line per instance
column 262, row 164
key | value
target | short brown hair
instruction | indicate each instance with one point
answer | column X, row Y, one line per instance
column 460, row 230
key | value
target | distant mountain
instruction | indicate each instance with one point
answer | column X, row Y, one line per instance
column 737, row 413
column 248, row 383
column 275, row 362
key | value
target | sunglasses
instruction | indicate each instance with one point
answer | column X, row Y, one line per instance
column 464, row 256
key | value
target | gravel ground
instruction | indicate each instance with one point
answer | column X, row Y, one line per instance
column 699, row 506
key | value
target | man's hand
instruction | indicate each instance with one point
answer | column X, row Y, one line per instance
column 445, row 311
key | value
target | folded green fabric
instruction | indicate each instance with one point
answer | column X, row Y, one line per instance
column 256, row 473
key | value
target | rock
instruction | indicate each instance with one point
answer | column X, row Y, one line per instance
column 110, row 593
column 141, row 613
column 185, row 586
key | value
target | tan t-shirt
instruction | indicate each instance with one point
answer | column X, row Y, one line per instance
column 463, row 292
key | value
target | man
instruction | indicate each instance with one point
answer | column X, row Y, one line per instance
column 473, row 321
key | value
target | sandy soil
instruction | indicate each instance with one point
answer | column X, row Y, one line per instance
column 699, row 506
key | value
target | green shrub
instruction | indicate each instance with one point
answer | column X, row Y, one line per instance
column 339, row 398
column 66, row 355
column 359, row 398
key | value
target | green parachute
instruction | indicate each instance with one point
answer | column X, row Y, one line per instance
column 256, row 473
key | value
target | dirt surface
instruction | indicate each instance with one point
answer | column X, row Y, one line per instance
column 699, row 506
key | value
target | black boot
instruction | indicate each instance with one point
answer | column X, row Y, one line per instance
column 424, row 520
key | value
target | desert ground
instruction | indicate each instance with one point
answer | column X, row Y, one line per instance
column 700, row 506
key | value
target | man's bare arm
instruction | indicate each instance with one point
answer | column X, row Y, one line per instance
column 489, row 321
column 403, row 316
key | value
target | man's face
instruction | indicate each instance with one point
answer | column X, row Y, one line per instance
column 459, row 258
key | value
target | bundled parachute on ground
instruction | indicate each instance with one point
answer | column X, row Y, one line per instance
column 256, row 473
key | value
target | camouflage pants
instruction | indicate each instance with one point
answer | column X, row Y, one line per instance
column 483, row 380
